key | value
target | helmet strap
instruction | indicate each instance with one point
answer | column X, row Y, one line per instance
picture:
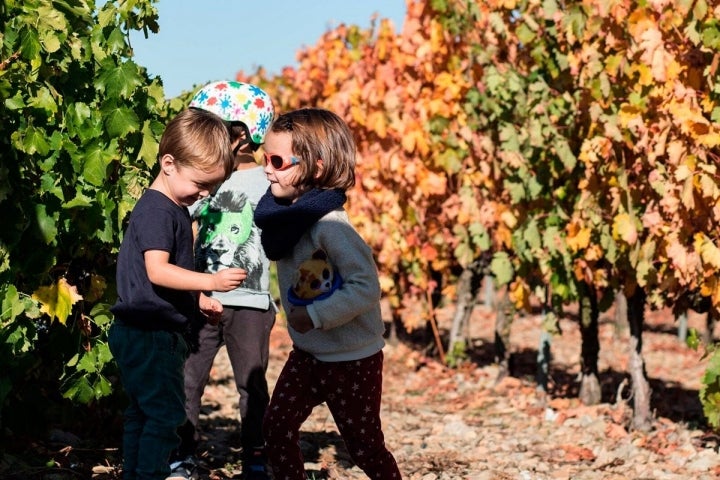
column 240, row 145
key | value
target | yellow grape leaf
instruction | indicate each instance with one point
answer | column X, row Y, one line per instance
column 57, row 300
column 675, row 152
column 508, row 218
column 683, row 172
column 652, row 220
column 688, row 193
column 716, row 293
column 432, row 183
column 689, row 118
column 519, row 294
column 655, row 53
column 446, row 81
column 600, row 278
column 593, row 253
column 709, row 252
column 423, row 50
column 503, row 236
column 376, row 122
column 408, row 142
column 711, row 288
column 710, row 140
column 412, row 138
column 639, row 21
column 673, row 69
column 709, row 187
column 437, row 33
column 643, row 271
column 577, row 237
column 683, row 261
column 358, row 115
column 387, row 284
column 645, row 74
column 624, row 229
column 628, row 113
column 391, row 100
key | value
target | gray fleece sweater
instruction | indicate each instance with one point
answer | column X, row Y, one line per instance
column 348, row 324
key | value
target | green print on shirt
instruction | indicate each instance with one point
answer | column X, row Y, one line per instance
column 236, row 227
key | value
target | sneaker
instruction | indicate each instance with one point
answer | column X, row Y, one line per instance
column 256, row 471
column 255, row 466
column 183, row 470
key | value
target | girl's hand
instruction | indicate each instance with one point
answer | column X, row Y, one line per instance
column 299, row 319
column 211, row 308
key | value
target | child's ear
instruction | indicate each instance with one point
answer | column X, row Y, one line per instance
column 320, row 166
column 167, row 163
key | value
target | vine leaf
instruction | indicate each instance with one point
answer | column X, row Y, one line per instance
column 57, row 299
column 624, row 228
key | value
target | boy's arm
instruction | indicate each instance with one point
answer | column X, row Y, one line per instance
column 163, row 273
column 195, row 230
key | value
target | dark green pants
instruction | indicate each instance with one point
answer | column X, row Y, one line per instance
column 151, row 371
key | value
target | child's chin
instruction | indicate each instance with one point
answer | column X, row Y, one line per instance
column 278, row 191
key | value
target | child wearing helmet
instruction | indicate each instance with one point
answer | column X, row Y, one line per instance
column 226, row 236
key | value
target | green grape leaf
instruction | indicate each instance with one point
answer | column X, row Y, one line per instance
column 95, row 167
column 122, row 121
column 502, row 268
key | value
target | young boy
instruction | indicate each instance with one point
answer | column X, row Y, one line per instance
column 158, row 290
column 226, row 238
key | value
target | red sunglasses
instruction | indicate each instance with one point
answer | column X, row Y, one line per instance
column 279, row 163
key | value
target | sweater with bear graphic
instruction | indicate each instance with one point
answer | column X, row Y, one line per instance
column 348, row 324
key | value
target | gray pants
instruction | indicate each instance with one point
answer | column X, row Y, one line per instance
column 246, row 334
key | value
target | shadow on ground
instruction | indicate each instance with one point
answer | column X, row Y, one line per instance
column 669, row 400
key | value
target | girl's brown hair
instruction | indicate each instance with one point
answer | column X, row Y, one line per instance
column 198, row 139
column 319, row 134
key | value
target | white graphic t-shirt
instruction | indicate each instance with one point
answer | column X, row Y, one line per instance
column 228, row 237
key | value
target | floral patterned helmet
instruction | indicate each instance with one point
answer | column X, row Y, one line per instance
column 238, row 102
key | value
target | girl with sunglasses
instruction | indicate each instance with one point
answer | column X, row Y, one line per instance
column 337, row 341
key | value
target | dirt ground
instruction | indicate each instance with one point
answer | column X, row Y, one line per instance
column 463, row 423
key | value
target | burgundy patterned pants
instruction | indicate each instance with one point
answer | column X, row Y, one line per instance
column 352, row 391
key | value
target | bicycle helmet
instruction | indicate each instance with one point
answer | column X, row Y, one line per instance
column 238, row 103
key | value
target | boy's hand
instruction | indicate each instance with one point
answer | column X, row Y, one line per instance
column 228, row 279
column 211, row 308
column 299, row 319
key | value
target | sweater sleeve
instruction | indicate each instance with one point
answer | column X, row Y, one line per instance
column 352, row 257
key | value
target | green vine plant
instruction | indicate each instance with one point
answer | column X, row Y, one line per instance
column 80, row 131
column 710, row 390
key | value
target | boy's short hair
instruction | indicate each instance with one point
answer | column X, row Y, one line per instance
column 199, row 139
column 320, row 134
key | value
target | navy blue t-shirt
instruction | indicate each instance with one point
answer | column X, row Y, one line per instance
column 156, row 223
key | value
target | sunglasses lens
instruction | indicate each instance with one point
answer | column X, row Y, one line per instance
column 276, row 161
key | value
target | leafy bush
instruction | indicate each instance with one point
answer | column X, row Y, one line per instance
column 79, row 136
